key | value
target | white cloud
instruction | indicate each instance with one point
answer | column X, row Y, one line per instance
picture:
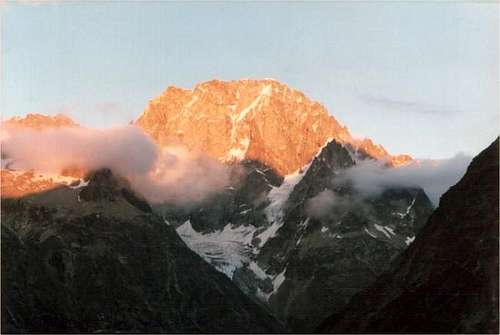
column 321, row 204
column 161, row 175
column 434, row 176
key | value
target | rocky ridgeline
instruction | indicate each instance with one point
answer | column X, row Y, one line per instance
column 258, row 120
column 40, row 121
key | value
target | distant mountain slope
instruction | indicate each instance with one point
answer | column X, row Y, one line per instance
column 263, row 235
column 22, row 183
column 447, row 280
column 40, row 121
column 96, row 259
column 259, row 120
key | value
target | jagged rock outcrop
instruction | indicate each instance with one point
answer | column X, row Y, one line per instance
column 297, row 262
column 333, row 241
column 447, row 280
column 40, row 121
column 94, row 258
column 259, row 120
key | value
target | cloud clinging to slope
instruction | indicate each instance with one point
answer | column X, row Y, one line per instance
column 434, row 176
column 169, row 174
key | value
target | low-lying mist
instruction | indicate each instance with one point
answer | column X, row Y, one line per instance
column 434, row 176
column 370, row 178
column 160, row 174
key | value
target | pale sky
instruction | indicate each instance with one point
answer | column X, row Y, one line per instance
column 417, row 77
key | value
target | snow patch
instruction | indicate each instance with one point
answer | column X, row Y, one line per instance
column 305, row 223
column 384, row 230
column 390, row 230
column 56, row 179
column 407, row 212
column 81, row 184
column 236, row 153
column 409, row 240
column 278, row 197
column 266, row 91
column 270, row 232
column 261, row 274
column 370, row 233
column 324, row 229
column 278, row 280
column 299, row 240
column 302, row 226
column 260, row 172
column 239, row 150
column 191, row 102
column 410, row 207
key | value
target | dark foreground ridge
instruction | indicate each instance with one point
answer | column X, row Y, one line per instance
column 96, row 259
column 447, row 280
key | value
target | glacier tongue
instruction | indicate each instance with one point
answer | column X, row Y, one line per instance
column 227, row 249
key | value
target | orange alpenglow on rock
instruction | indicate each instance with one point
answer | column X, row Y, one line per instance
column 261, row 120
column 22, row 183
column 39, row 121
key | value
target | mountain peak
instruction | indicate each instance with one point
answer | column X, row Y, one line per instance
column 40, row 121
column 263, row 120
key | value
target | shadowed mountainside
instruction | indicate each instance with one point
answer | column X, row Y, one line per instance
column 447, row 280
column 96, row 259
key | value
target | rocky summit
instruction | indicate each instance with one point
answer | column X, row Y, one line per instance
column 259, row 120
column 447, row 280
column 40, row 121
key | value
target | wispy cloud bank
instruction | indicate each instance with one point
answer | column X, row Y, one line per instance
column 410, row 106
column 161, row 175
column 434, row 176
column 321, row 204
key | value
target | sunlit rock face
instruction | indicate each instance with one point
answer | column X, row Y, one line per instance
column 20, row 183
column 261, row 120
column 39, row 121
